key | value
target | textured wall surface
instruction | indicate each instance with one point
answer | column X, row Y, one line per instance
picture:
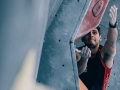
column 57, row 67
column 53, row 8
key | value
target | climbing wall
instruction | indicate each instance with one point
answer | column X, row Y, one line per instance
column 58, row 67
column 23, row 24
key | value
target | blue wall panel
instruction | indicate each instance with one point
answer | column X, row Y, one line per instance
column 58, row 68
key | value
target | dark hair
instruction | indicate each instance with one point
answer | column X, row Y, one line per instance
column 98, row 28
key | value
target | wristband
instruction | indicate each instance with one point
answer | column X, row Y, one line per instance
column 113, row 26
